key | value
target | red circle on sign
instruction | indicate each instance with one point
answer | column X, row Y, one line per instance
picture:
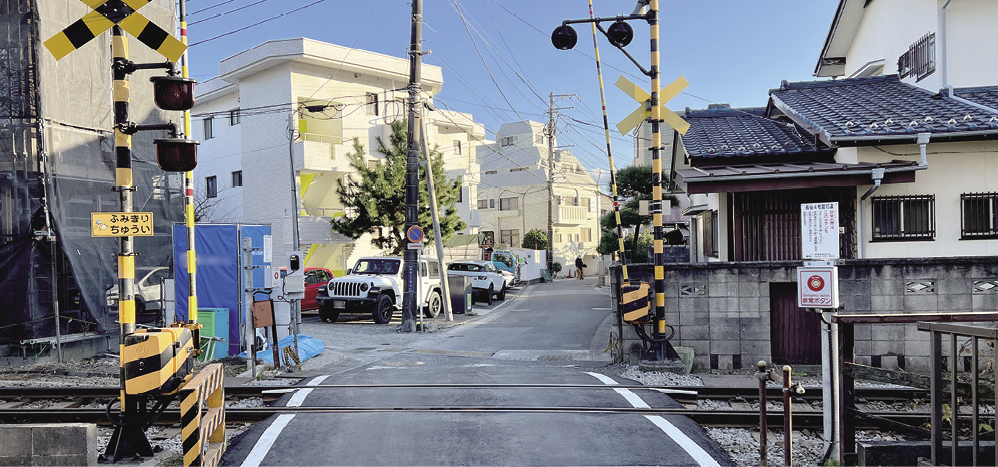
column 815, row 283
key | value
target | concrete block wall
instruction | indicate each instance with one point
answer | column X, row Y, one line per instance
column 723, row 311
column 48, row 444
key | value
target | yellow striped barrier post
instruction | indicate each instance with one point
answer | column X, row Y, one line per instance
column 197, row 426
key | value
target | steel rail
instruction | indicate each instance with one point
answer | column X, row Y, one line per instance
column 702, row 392
column 726, row 418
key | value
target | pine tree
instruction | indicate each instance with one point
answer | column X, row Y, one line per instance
column 375, row 197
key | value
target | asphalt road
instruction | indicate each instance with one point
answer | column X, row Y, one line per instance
column 544, row 333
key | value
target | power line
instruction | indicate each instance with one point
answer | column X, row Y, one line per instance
column 316, row 2
column 219, row 15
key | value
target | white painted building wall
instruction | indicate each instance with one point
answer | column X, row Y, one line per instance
column 519, row 170
column 889, row 27
column 267, row 83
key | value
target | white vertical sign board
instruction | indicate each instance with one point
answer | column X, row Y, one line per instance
column 268, row 248
column 819, row 231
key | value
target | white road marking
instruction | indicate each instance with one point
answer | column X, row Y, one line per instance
column 670, row 430
column 270, row 435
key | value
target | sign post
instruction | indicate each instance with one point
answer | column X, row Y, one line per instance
column 818, row 290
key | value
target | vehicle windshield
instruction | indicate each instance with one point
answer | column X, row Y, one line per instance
column 377, row 266
column 465, row 267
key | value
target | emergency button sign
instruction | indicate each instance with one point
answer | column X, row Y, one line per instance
column 817, row 287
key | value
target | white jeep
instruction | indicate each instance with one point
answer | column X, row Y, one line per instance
column 374, row 285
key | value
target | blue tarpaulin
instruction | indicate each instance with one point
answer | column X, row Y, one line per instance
column 308, row 347
column 218, row 248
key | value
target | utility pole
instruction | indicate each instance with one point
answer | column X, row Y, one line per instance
column 410, row 303
column 550, row 133
column 550, row 136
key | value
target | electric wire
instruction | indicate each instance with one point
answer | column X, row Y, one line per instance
column 219, row 15
column 316, row 2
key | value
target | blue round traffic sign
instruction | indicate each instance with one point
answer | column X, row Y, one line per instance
column 414, row 234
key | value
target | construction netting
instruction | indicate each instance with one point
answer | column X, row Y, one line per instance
column 57, row 166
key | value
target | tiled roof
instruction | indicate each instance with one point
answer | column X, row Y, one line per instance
column 987, row 95
column 849, row 111
column 726, row 132
column 770, row 176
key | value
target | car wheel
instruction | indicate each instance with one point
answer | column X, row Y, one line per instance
column 488, row 294
column 328, row 314
column 383, row 310
column 502, row 293
column 434, row 305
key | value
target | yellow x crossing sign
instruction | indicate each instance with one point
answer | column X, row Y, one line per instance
column 108, row 13
column 641, row 113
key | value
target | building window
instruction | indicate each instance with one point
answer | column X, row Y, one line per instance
column 507, row 204
column 587, row 202
column 920, row 59
column 457, row 147
column 539, row 139
column 237, row 178
column 372, row 104
column 460, row 195
column 208, row 134
column 234, row 117
column 491, row 172
column 587, row 234
column 483, row 204
column 709, row 221
column 211, row 186
column 372, row 165
column 507, row 141
column 518, row 169
column 979, row 215
column 903, row 218
column 510, row 237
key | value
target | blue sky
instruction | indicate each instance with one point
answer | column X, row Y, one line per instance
column 499, row 64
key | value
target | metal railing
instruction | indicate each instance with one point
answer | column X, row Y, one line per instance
column 937, row 366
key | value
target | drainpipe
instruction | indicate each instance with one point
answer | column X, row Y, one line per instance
column 878, row 176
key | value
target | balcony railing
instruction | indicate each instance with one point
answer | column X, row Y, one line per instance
column 570, row 215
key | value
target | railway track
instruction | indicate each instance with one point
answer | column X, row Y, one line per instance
column 86, row 404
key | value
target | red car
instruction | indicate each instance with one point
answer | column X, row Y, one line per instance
column 314, row 278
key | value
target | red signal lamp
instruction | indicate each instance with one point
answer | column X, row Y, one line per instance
column 176, row 154
column 173, row 92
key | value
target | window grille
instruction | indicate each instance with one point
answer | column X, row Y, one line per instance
column 234, row 117
column 903, row 218
column 979, row 215
column 920, row 59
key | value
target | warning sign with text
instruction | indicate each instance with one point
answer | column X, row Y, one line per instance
column 819, row 230
column 121, row 224
column 818, row 287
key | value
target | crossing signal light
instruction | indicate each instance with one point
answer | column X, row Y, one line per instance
column 173, row 92
column 564, row 37
column 176, row 154
column 620, row 34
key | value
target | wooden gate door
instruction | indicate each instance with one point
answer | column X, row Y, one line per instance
column 795, row 334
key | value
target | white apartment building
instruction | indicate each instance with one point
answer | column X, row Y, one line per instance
column 513, row 194
column 328, row 95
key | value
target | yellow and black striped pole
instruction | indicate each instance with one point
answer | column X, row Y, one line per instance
column 126, row 440
column 609, row 154
column 192, row 289
column 656, row 180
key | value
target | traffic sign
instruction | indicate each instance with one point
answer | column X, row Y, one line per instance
column 108, row 13
column 121, row 224
column 644, row 111
column 818, row 287
column 414, row 234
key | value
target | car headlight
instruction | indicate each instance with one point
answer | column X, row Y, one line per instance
column 364, row 287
